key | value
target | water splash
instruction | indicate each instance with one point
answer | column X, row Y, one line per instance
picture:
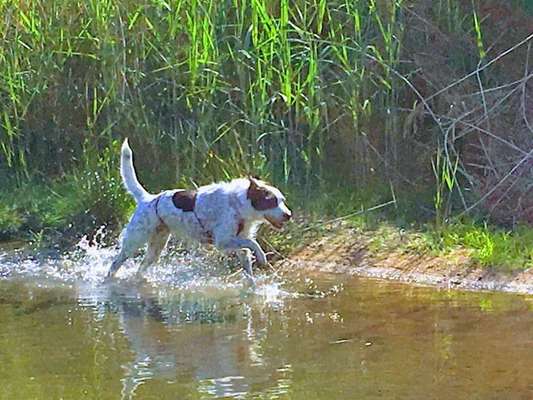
column 198, row 270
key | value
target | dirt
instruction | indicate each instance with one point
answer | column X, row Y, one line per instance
column 350, row 251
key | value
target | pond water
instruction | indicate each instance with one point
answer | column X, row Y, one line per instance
column 194, row 332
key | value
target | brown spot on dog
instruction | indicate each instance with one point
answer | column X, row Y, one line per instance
column 184, row 199
column 260, row 197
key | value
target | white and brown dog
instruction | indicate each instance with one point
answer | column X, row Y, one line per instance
column 226, row 214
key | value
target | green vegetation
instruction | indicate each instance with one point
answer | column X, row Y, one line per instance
column 486, row 246
column 89, row 195
column 343, row 104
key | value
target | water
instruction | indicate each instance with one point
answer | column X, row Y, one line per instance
column 192, row 332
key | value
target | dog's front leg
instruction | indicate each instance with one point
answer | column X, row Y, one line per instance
column 245, row 257
column 237, row 243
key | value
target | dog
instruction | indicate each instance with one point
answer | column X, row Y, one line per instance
column 226, row 215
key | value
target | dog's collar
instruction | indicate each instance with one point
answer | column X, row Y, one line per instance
column 156, row 203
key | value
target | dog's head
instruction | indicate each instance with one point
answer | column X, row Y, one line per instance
column 268, row 202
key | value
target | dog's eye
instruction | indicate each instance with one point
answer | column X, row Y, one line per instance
column 265, row 202
column 271, row 201
column 271, row 198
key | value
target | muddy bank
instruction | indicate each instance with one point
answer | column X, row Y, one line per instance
column 349, row 251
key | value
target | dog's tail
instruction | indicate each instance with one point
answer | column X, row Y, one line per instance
column 129, row 177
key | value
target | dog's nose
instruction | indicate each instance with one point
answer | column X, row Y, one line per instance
column 287, row 216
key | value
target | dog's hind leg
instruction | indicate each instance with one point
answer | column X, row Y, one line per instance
column 117, row 263
column 156, row 244
column 132, row 240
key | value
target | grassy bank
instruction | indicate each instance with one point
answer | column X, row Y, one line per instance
column 382, row 228
column 343, row 104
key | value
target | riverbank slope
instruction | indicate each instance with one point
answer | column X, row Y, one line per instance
column 393, row 254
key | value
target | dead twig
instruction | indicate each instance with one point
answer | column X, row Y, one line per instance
column 338, row 219
column 498, row 57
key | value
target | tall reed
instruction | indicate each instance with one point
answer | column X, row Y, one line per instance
column 224, row 87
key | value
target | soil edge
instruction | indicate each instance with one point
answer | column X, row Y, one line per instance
column 349, row 251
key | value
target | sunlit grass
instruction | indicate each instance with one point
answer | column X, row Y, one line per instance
column 485, row 246
column 489, row 246
column 222, row 83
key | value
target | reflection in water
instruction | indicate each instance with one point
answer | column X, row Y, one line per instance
column 153, row 322
column 142, row 321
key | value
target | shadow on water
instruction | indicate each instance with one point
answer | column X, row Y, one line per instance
column 194, row 331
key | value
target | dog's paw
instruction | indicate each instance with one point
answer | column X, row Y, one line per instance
column 140, row 278
column 260, row 258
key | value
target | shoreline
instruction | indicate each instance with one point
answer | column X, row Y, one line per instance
column 476, row 280
column 349, row 252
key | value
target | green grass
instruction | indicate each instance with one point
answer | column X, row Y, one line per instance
column 204, row 86
column 488, row 246
column 78, row 203
column 505, row 250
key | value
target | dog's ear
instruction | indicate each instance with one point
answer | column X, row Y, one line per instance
column 253, row 182
column 261, row 198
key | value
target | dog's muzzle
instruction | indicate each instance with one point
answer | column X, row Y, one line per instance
column 278, row 223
